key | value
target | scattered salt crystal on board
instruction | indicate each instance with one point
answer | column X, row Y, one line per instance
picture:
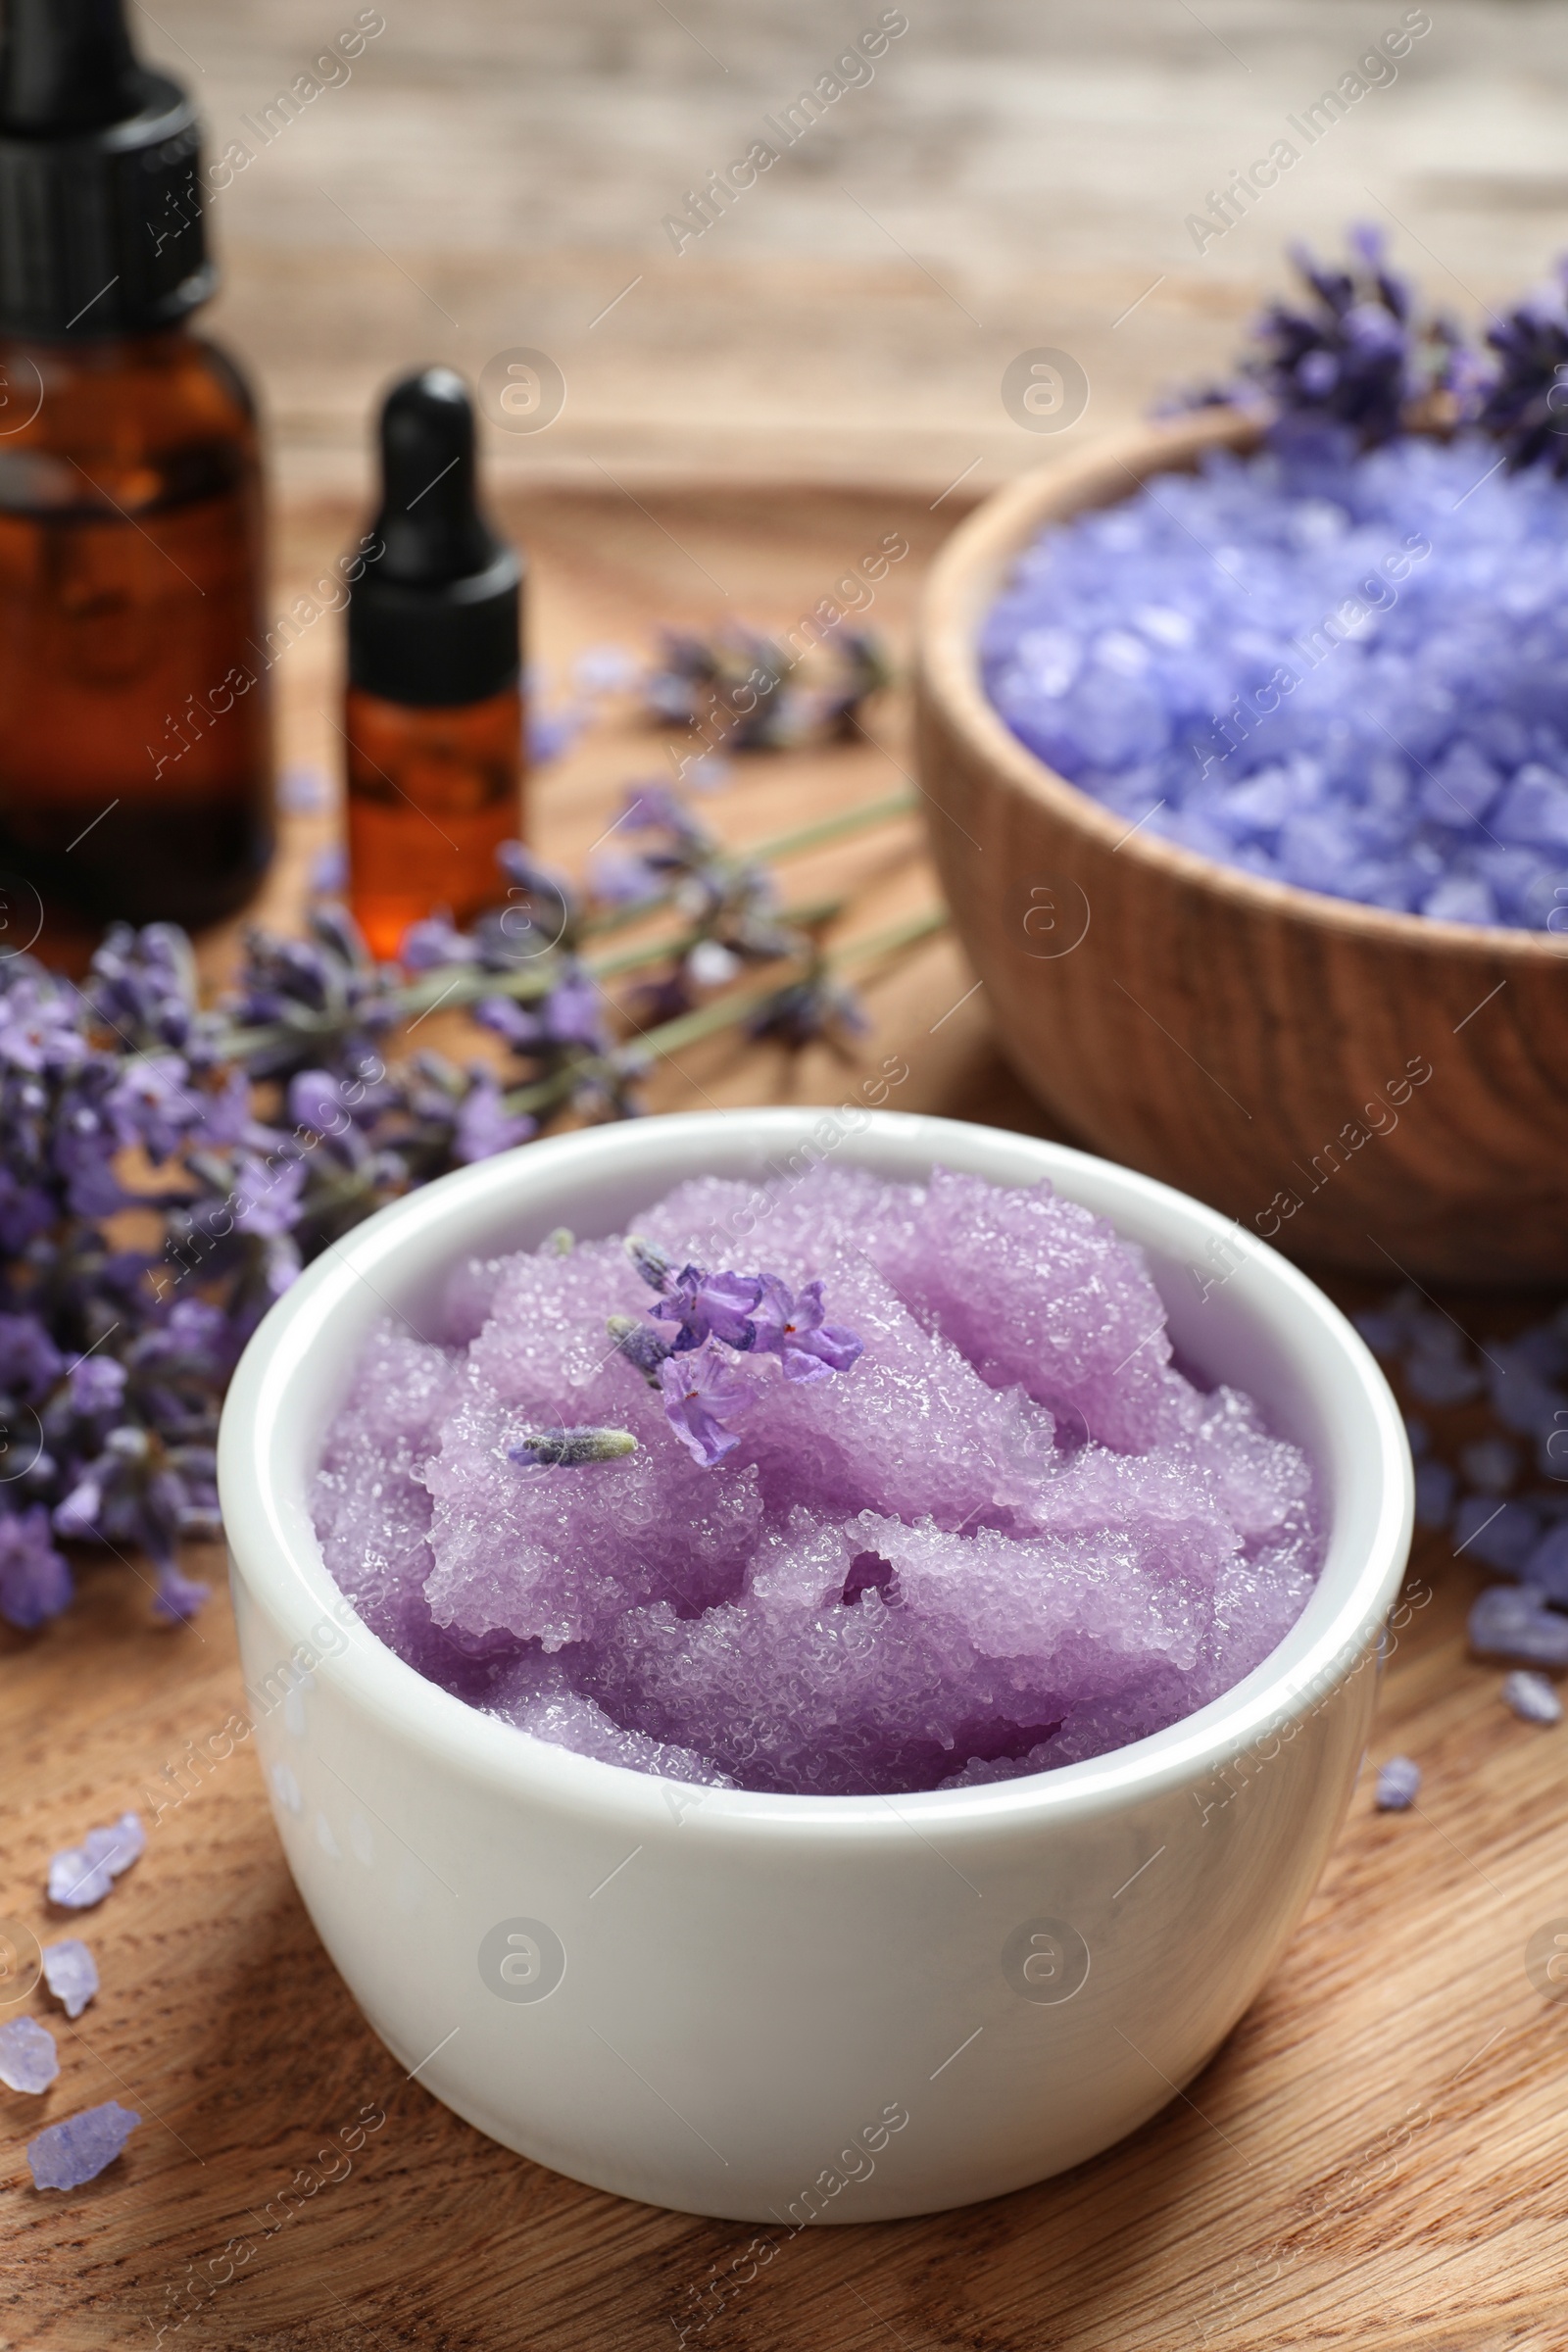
column 80, row 1876
column 71, row 1974
column 81, row 2147
column 1397, row 1783
column 1514, row 1622
column 1531, row 1698
column 28, row 2056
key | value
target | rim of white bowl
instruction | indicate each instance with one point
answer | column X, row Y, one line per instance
column 277, row 1554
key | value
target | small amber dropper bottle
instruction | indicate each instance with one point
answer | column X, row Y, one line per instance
column 433, row 721
column 135, row 749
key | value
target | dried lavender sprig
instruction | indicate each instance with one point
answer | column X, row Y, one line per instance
column 797, row 843
column 709, row 1019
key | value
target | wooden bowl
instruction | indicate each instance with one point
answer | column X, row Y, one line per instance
column 1371, row 1089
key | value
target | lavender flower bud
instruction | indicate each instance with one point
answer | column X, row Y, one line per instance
column 640, row 1343
column 654, row 1264
column 566, row 1448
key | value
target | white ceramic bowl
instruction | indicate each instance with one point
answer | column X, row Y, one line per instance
column 774, row 2008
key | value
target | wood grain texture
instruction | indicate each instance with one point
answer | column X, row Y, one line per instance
column 496, row 174
column 1234, row 1036
column 1373, row 2155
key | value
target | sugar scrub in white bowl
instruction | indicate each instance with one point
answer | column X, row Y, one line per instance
column 901, row 1491
column 832, row 1711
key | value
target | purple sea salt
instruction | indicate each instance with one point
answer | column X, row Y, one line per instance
column 1497, row 1534
column 81, row 1876
column 909, row 1492
column 68, row 2154
column 1531, row 1698
column 1517, row 1623
column 27, row 2057
column 1398, row 1783
column 71, row 1973
column 1345, row 671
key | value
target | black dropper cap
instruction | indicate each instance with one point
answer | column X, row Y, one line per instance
column 435, row 616
column 101, row 227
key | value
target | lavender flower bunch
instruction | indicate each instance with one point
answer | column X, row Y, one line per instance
column 1524, row 399
column 1358, row 355
column 740, row 688
column 1358, row 360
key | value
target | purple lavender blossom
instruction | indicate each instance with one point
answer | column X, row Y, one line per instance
column 702, row 1398
column 641, row 1345
column 152, row 1104
column 805, row 1009
column 30, row 1361
column 793, row 1329
column 179, row 1597
column 1525, row 394
column 316, row 1101
column 1355, row 360
column 652, row 1261
column 267, row 1200
column 485, row 1125
column 571, row 1013
column 552, row 733
column 25, row 1211
column 69, row 2153
column 715, row 1306
column 36, row 1583
column 39, row 1030
column 97, row 1386
column 435, row 941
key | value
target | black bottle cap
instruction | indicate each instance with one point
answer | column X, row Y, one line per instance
column 101, row 223
column 435, row 616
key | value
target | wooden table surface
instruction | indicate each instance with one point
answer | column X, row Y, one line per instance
column 496, row 174
column 1374, row 2154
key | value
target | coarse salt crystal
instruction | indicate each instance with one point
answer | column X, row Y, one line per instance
column 1516, row 1623
column 79, row 2149
column 71, row 1974
column 27, row 2057
column 1531, row 1698
column 81, row 1876
column 1399, row 1782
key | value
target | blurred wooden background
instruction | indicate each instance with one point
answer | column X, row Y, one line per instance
column 494, row 172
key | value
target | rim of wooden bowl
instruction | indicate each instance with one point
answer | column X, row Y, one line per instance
column 968, row 574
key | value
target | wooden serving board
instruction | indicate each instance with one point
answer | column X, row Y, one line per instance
column 1374, row 2154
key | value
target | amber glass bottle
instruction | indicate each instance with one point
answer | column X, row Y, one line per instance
column 434, row 717
column 134, row 747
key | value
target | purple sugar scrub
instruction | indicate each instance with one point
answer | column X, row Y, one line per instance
column 1346, row 671
column 944, row 1510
